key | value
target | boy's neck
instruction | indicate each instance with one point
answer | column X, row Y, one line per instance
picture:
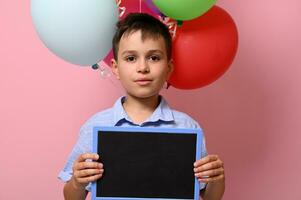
column 139, row 109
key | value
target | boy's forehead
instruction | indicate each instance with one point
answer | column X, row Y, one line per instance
column 136, row 39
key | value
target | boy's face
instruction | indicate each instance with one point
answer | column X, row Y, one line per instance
column 143, row 66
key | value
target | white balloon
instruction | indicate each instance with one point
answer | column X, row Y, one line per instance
column 78, row 31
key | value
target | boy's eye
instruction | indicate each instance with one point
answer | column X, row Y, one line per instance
column 130, row 58
column 154, row 58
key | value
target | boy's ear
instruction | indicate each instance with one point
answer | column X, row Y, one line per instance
column 115, row 68
column 170, row 68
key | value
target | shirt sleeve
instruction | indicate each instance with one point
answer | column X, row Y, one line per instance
column 83, row 145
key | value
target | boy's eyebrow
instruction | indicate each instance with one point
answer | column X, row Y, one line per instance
column 155, row 51
column 150, row 51
column 128, row 52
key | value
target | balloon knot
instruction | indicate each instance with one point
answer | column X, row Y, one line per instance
column 179, row 22
column 95, row 66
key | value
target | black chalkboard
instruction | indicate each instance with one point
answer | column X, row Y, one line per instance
column 144, row 164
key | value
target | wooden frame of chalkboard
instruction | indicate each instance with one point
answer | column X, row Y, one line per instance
column 146, row 163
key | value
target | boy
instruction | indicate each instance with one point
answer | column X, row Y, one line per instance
column 142, row 62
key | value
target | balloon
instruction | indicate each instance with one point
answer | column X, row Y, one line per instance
column 109, row 57
column 184, row 10
column 77, row 31
column 152, row 6
column 134, row 6
column 203, row 49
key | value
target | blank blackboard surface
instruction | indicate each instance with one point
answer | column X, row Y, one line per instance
column 150, row 163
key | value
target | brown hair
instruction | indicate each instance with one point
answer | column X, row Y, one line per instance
column 149, row 26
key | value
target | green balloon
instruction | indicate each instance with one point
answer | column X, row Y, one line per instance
column 184, row 9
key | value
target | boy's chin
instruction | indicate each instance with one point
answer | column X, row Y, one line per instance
column 143, row 95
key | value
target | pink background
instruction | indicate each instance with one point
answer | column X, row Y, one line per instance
column 251, row 115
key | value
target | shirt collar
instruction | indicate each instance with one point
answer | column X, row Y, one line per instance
column 162, row 113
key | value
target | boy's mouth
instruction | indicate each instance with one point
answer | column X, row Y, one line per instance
column 143, row 81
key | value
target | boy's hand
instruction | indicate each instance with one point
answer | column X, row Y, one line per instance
column 86, row 171
column 209, row 169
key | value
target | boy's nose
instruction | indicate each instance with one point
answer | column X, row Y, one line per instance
column 143, row 67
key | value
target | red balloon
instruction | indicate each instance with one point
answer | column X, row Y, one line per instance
column 203, row 49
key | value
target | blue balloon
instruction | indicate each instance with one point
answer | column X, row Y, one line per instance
column 78, row 31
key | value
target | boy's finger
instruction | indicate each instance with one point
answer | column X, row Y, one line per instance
column 211, row 179
column 206, row 159
column 89, row 179
column 88, row 165
column 88, row 172
column 208, row 166
column 210, row 173
column 86, row 156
